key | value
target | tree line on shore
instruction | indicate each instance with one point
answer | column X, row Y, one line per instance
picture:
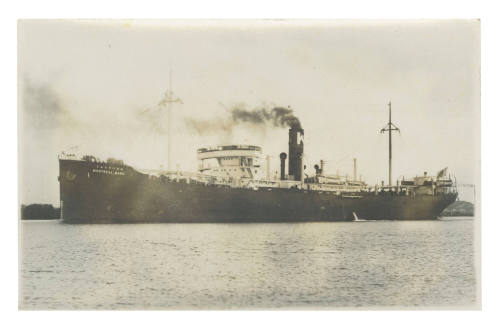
column 459, row 208
column 40, row 212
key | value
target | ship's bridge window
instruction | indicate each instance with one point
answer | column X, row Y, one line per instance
column 230, row 161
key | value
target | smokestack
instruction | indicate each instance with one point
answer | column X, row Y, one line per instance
column 282, row 160
column 296, row 153
column 268, row 167
column 322, row 166
column 355, row 171
column 302, row 169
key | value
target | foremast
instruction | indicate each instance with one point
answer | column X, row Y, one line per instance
column 168, row 100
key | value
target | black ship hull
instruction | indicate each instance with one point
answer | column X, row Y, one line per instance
column 93, row 193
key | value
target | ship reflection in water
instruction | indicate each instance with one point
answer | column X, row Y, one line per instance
column 277, row 265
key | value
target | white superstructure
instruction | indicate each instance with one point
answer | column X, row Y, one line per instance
column 232, row 161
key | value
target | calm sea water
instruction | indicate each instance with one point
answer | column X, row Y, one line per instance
column 248, row 266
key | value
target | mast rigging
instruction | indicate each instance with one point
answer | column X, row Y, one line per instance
column 167, row 101
column 390, row 127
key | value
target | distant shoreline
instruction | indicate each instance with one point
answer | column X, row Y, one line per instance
column 459, row 209
column 39, row 212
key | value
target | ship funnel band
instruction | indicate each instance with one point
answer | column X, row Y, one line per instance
column 296, row 153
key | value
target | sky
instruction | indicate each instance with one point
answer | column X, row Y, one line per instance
column 93, row 87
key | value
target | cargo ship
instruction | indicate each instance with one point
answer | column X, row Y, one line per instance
column 232, row 186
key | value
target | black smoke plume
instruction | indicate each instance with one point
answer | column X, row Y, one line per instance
column 43, row 109
column 277, row 117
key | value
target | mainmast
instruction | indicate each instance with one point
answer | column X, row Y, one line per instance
column 390, row 127
column 168, row 101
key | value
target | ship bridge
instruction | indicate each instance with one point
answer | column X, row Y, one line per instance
column 234, row 161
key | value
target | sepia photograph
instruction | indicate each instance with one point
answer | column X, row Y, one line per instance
column 249, row 164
